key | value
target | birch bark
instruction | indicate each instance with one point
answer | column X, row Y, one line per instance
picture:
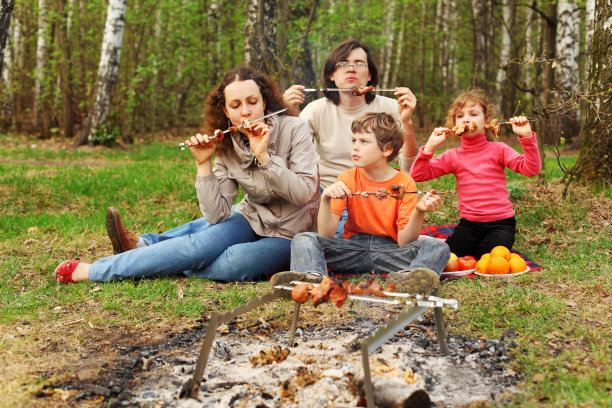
column 107, row 70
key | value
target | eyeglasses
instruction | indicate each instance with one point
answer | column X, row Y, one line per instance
column 347, row 65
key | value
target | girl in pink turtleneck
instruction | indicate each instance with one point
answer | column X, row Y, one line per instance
column 487, row 216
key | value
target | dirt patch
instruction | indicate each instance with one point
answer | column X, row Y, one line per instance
column 319, row 371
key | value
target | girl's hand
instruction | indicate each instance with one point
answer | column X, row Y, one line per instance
column 438, row 136
column 336, row 190
column 201, row 148
column 430, row 202
column 520, row 126
column 259, row 137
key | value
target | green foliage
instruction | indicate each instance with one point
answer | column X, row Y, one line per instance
column 105, row 135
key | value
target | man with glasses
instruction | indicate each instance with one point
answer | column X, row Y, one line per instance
column 349, row 65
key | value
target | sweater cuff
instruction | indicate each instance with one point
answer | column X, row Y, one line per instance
column 204, row 179
column 423, row 154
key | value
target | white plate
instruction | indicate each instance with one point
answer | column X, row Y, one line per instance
column 507, row 275
column 458, row 273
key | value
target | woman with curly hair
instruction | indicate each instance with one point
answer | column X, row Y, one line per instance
column 273, row 161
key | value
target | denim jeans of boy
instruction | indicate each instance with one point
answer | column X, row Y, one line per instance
column 365, row 254
column 227, row 251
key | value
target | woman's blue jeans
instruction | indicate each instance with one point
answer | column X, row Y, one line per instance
column 365, row 254
column 227, row 251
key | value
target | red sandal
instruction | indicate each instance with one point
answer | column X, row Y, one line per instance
column 63, row 273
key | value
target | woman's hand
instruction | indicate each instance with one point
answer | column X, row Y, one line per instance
column 438, row 136
column 521, row 126
column 201, row 148
column 336, row 190
column 259, row 137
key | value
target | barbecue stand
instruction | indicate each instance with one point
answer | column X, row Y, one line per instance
column 416, row 306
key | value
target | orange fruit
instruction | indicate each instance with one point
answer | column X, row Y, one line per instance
column 486, row 257
column 482, row 266
column 517, row 264
column 513, row 255
column 501, row 251
column 498, row 266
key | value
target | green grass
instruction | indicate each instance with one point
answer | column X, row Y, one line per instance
column 52, row 206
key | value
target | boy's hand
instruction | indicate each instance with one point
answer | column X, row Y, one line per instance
column 336, row 190
column 438, row 136
column 520, row 126
column 429, row 203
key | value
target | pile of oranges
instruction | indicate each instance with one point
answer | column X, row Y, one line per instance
column 500, row 262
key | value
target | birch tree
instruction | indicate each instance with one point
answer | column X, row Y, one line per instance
column 6, row 8
column 107, row 71
column 594, row 162
column 505, row 47
column 260, row 35
column 565, row 71
column 387, row 49
column 41, row 51
column 588, row 35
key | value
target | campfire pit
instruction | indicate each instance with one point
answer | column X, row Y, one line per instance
column 415, row 305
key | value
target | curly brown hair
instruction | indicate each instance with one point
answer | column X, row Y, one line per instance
column 384, row 127
column 213, row 115
column 477, row 96
column 341, row 53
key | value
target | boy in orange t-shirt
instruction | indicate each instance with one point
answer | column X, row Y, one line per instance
column 380, row 233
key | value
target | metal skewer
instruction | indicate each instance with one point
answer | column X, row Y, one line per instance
column 445, row 194
column 344, row 90
column 182, row 146
column 509, row 123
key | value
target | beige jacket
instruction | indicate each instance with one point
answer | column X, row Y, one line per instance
column 281, row 197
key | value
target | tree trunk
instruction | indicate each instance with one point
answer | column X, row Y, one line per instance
column 41, row 51
column 260, row 35
column 6, row 8
column 65, row 46
column 443, row 57
column 107, row 71
column 422, row 104
column 387, row 49
column 594, row 162
column 565, row 71
column 549, row 125
column 588, row 36
column 478, row 44
column 399, row 53
column 504, row 56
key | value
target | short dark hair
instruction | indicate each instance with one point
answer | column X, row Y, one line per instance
column 214, row 116
column 341, row 53
column 384, row 127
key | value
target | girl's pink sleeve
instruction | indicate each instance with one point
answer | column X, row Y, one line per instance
column 425, row 167
column 528, row 163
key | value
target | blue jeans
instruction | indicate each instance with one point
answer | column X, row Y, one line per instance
column 227, row 251
column 365, row 254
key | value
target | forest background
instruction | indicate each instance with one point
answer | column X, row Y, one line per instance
column 59, row 75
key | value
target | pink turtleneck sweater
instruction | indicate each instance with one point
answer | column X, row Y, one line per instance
column 479, row 167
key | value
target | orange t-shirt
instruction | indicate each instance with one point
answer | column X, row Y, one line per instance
column 369, row 215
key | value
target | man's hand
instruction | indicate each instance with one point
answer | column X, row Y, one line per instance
column 293, row 97
column 406, row 103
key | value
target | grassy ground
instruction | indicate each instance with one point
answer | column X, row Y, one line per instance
column 52, row 205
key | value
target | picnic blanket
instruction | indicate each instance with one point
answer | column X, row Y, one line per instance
column 443, row 232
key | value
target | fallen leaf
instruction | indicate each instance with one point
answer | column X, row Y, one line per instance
column 32, row 230
column 539, row 377
column 570, row 303
column 159, row 224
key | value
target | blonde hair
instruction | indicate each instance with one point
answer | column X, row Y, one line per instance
column 477, row 96
column 385, row 129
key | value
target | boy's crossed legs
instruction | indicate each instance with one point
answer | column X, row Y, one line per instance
column 415, row 267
